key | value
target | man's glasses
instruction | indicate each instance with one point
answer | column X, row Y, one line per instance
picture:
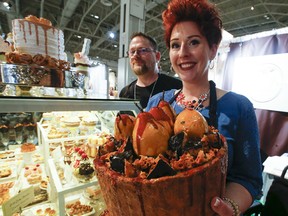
column 140, row 51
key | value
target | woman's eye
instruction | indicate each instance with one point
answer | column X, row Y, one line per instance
column 174, row 46
column 194, row 42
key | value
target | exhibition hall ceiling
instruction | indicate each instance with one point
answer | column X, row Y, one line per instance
column 78, row 19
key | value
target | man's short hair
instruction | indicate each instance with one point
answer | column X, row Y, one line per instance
column 150, row 39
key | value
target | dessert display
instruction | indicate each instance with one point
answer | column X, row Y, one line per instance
column 69, row 146
column 47, row 117
column 72, row 123
column 56, row 133
column 4, row 128
column 33, row 173
column 4, row 48
column 81, row 63
column 32, row 169
column 5, row 172
column 39, row 195
column 84, row 171
column 93, row 192
column 80, row 76
column 54, row 145
column 28, row 147
column 93, row 143
column 46, row 212
column 44, row 184
column 4, row 191
column 7, row 155
column 38, row 56
column 77, row 208
column 34, row 178
column 90, row 122
column 178, row 162
column 36, row 36
column 93, row 195
column 47, row 209
column 81, row 59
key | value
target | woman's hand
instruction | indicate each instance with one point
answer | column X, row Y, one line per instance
column 221, row 207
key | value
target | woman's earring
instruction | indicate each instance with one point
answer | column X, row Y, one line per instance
column 211, row 64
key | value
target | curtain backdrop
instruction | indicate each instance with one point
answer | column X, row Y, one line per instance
column 273, row 126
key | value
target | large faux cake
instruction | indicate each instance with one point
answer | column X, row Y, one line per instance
column 34, row 36
column 157, row 171
column 38, row 56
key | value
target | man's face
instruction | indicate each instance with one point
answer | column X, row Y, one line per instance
column 143, row 58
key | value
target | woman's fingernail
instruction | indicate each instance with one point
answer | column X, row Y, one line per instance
column 217, row 202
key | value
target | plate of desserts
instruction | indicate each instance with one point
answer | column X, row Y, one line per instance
column 7, row 172
column 47, row 209
column 77, row 207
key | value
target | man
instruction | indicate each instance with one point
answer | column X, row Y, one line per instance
column 144, row 59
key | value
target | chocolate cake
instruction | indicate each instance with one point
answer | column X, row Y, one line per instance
column 181, row 180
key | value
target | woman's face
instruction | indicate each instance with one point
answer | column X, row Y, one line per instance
column 189, row 52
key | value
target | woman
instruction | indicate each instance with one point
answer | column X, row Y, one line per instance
column 192, row 34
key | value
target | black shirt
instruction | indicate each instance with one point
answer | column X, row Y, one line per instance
column 163, row 83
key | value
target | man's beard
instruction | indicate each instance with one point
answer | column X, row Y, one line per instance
column 140, row 70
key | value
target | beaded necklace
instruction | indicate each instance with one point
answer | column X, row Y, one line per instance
column 197, row 105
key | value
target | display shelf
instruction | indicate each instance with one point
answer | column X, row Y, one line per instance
column 44, row 142
column 62, row 191
column 30, row 104
column 15, row 104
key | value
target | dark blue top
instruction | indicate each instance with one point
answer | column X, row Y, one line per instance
column 237, row 122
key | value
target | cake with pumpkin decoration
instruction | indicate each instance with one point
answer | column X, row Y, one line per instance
column 166, row 165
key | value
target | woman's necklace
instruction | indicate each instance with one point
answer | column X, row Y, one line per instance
column 197, row 105
column 151, row 90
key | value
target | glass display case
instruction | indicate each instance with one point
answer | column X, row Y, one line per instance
column 59, row 194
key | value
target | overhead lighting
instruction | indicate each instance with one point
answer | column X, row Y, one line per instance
column 94, row 16
column 112, row 35
column 252, row 8
column 78, row 36
column 7, row 5
column 115, row 45
column 106, row 3
column 266, row 17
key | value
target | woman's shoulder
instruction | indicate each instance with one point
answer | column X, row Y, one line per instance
column 154, row 100
column 167, row 95
column 229, row 98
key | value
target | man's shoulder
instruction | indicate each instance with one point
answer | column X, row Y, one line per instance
column 171, row 81
column 127, row 90
column 168, row 77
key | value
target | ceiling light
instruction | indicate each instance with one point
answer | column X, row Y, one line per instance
column 106, row 3
column 7, row 5
column 252, row 8
column 94, row 16
column 115, row 45
column 112, row 35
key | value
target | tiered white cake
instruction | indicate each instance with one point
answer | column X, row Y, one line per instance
column 34, row 35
